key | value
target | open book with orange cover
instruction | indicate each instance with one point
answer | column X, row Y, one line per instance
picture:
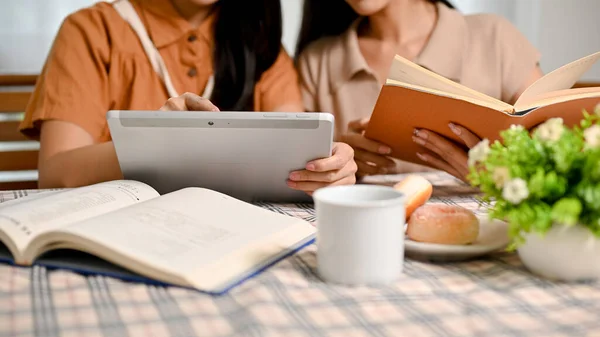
column 416, row 98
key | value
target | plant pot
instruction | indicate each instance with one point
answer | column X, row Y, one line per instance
column 564, row 253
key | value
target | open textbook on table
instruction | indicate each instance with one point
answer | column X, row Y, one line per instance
column 192, row 237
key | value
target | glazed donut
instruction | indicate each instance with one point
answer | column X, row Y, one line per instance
column 417, row 190
column 443, row 224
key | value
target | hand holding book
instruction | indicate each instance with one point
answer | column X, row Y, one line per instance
column 438, row 151
column 370, row 156
column 445, row 154
column 416, row 98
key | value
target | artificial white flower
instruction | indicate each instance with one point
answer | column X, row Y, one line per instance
column 515, row 191
column 500, row 176
column 551, row 130
column 592, row 136
column 516, row 127
column 479, row 152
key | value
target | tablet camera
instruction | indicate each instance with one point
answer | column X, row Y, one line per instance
column 211, row 123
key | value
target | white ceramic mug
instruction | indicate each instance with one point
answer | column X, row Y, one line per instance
column 360, row 234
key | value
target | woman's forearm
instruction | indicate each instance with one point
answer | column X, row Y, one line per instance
column 79, row 167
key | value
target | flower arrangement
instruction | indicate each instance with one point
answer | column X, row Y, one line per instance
column 542, row 178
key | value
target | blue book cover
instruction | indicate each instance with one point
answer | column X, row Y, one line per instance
column 87, row 264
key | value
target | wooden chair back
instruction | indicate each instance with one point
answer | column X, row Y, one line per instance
column 18, row 155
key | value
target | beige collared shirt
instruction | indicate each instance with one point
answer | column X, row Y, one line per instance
column 484, row 52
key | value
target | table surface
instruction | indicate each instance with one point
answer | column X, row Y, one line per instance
column 491, row 296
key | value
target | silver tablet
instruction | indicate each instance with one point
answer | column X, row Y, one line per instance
column 247, row 155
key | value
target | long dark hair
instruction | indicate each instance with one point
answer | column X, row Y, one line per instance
column 323, row 18
column 247, row 37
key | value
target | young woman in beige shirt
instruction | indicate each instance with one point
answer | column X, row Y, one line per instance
column 346, row 47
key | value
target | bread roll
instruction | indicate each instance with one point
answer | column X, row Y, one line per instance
column 417, row 191
column 443, row 224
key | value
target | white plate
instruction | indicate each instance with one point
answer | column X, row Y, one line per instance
column 493, row 236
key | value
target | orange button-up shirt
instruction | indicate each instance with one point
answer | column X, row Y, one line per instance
column 97, row 64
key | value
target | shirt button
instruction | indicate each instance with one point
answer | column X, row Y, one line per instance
column 192, row 38
column 192, row 72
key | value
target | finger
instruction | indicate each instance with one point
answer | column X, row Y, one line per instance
column 341, row 154
column 468, row 137
column 194, row 102
column 366, row 169
column 358, row 125
column 380, row 161
column 174, row 104
column 327, row 177
column 311, row 186
column 448, row 151
column 359, row 141
column 442, row 165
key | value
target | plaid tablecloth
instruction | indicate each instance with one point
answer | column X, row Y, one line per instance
column 492, row 296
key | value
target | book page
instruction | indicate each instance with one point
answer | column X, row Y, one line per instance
column 24, row 220
column 562, row 78
column 9, row 198
column 410, row 73
column 559, row 96
column 508, row 109
column 183, row 231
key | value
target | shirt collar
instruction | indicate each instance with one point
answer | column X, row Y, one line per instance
column 443, row 53
column 348, row 60
column 165, row 25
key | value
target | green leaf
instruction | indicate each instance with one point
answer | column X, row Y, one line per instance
column 524, row 218
column 549, row 186
column 543, row 217
column 591, row 165
column 566, row 151
column 536, row 183
column 589, row 194
column 566, row 211
column 555, row 186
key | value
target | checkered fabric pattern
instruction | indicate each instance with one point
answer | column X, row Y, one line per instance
column 491, row 296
